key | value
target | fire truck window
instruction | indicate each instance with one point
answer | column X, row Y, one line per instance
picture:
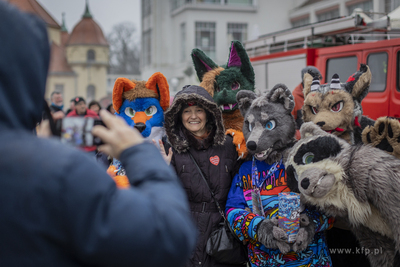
column 343, row 66
column 378, row 63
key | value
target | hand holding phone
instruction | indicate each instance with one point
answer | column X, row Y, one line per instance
column 118, row 135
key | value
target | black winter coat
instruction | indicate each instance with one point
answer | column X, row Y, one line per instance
column 216, row 157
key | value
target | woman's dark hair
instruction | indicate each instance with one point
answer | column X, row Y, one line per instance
column 92, row 103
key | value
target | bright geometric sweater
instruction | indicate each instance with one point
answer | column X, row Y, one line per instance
column 245, row 223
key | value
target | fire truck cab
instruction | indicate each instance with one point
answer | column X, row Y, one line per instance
column 336, row 46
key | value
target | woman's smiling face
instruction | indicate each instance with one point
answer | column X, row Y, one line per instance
column 194, row 119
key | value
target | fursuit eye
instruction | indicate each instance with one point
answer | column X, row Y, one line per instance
column 308, row 158
column 337, row 107
column 250, row 128
column 235, row 85
column 130, row 112
column 313, row 110
column 270, row 125
column 150, row 111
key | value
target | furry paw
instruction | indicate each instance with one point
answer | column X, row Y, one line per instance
column 385, row 135
column 265, row 233
column 301, row 240
column 281, row 238
column 239, row 142
column 305, row 235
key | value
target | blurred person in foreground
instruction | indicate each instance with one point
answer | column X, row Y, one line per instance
column 58, row 208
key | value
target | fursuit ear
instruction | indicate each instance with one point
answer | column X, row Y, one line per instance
column 358, row 83
column 309, row 129
column 244, row 99
column 159, row 84
column 121, row 85
column 307, row 82
column 202, row 63
column 281, row 94
column 239, row 58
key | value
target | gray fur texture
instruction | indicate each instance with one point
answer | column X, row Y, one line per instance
column 269, row 127
column 269, row 130
column 360, row 183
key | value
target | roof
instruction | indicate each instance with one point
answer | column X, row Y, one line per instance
column 32, row 6
column 87, row 31
column 58, row 61
column 309, row 2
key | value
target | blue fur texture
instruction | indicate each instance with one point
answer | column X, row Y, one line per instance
column 141, row 104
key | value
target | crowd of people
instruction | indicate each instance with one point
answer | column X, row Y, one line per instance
column 60, row 208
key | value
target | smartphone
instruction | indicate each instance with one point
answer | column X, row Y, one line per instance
column 77, row 131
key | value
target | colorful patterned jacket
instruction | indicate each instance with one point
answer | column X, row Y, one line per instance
column 244, row 223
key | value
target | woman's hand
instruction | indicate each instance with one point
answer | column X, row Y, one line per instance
column 166, row 157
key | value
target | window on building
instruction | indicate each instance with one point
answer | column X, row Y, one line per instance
column 91, row 55
column 146, row 48
column 239, row 2
column 183, row 42
column 146, row 8
column 343, row 66
column 205, row 38
column 366, row 6
column 175, row 4
column 90, row 93
column 237, row 31
column 59, row 88
column 378, row 63
column 391, row 5
column 209, row 1
column 328, row 15
column 301, row 22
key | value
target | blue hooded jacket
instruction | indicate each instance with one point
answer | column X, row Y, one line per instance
column 57, row 206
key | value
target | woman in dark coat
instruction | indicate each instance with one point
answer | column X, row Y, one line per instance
column 193, row 124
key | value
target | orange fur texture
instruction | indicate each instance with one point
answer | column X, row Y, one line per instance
column 208, row 81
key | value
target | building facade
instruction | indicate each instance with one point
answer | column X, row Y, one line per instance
column 311, row 11
column 79, row 60
column 172, row 28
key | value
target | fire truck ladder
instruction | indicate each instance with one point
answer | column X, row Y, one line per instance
column 339, row 31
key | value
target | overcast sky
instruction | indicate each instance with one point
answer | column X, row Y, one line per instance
column 106, row 13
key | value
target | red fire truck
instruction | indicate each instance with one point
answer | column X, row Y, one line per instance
column 335, row 46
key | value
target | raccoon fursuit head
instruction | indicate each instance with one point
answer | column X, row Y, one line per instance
column 269, row 127
column 336, row 107
column 357, row 182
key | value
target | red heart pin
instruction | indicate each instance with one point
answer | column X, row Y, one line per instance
column 214, row 160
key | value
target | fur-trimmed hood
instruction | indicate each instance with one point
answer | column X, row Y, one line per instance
column 173, row 124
